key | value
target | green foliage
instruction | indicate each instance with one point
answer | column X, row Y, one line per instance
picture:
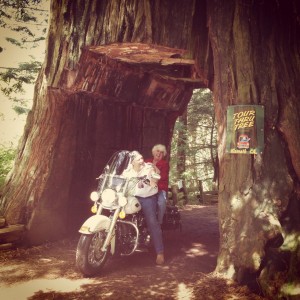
column 21, row 43
column 21, row 110
column 25, row 23
column 25, row 73
column 18, row 10
column 12, row 81
column 7, row 156
column 14, row 41
column 198, row 140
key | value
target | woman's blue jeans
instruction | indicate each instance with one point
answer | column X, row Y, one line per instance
column 149, row 207
column 161, row 205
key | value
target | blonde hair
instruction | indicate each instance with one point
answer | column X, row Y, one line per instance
column 161, row 148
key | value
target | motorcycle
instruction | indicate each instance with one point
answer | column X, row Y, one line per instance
column 118, row 227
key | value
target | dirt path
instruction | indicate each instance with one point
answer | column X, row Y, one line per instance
column 49, row 271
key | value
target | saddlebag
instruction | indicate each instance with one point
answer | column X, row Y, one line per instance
column 172, row 219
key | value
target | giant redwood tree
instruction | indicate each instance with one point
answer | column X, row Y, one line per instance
column 118, row 73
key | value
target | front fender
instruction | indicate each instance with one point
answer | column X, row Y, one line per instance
column 94, row 224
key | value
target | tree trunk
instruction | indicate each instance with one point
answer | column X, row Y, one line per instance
column 90, row 101
column 256, row 61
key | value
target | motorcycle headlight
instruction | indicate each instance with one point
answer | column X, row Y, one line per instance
column 94, row 196
column 108, row 197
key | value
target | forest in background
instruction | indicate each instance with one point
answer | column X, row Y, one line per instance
column 23, row 28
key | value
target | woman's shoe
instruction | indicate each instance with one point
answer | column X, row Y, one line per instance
column 160, row 259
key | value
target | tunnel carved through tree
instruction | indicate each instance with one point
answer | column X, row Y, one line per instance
column 141, row 74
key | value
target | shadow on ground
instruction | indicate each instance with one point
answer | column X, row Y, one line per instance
column 49, row 271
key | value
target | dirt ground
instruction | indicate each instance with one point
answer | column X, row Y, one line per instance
column 49, row 271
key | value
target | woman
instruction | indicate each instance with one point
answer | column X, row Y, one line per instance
column 159, row 152
column 145, row 189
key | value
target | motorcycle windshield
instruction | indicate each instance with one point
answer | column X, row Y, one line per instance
column 111, row 176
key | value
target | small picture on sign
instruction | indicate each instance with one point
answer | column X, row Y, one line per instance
column 243, row 142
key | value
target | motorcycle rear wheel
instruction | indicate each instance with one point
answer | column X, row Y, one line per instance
column 89, row 257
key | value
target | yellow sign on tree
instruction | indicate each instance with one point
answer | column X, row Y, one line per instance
column 245, row 129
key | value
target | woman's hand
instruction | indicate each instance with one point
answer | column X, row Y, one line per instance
column 153, row 183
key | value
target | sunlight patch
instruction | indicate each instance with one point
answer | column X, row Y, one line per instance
column 291, row 289
column 256, row 260
column 291, row 242
column 12, row 270
column 230, row 272
column 184, row 292
column 196, row 250
column 236, row 203
column 27, row 289
column 9, row 268
column 45, row 260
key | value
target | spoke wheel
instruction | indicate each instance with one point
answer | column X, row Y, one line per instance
column 90, row 259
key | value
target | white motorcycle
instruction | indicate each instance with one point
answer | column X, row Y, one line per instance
column 118, row 226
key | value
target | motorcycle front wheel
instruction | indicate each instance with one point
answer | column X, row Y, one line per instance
column 89, row 257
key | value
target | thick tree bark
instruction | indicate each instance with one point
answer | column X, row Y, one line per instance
column 125, row 96
column 247, row 52
column 255, row 191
